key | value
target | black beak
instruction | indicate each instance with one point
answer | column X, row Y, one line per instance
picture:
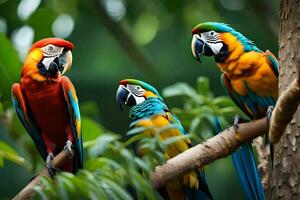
column 125, row 97
column 62, row 61
column 199, row 47
column 52, row 64
column 121, row 96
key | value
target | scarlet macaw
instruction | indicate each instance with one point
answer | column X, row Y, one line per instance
column 148, row 110
column 250, row 78
column 46, row 102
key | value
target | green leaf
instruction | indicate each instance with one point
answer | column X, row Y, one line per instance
column 133, row 139
column 203, row 86
column 10, row 66
column 10, row 154
column 136, row 130
column 90, row 109
column 122, row 194
column 1, row 109
column 91, row 129
column 101, row 144
column 174, row 139
column 179, row 89
column 223, row 101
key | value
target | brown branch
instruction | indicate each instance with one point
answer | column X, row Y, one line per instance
column 58, row 162
column 124, row 39
column 286, row 107
column 214, row 148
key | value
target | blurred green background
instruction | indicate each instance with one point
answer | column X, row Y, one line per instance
column 117, row 39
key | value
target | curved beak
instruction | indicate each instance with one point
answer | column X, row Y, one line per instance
column 125, row 97
column 59, row 63
column 65, row 61
column 122, row 96
column 200, row 47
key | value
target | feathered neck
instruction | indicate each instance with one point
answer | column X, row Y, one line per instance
column 146, row 109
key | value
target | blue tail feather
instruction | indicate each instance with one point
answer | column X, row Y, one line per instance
column 246, row 169
column 249, row 177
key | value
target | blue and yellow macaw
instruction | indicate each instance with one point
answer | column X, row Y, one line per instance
column 250, row 77
column 149, row 110
column 46, row 102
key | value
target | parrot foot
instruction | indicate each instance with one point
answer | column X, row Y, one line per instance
column 68, row 149
column 269, row 114
column 51, row 169
column 237, row 120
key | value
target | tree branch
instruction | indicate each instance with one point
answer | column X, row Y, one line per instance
column 214, row 148
column 285, row 109
column 58, row 162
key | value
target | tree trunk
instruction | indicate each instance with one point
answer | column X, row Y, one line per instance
column 285, row 175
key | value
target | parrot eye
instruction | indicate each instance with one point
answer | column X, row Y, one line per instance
column 136, row 89
column 51, row 50
column 212, row 33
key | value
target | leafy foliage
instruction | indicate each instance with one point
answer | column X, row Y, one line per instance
column 9, row 67
column 8, row 153
column 201, row 108
column 114, row 171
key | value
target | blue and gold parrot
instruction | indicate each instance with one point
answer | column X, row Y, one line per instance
column 46, row 102
column 250, row 78
column 148, row 110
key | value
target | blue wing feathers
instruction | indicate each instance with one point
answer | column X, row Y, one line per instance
column 155, row 106
column 29, row 125
column 76, row 119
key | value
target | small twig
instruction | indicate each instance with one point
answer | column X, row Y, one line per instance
column 58, row 162
column 286, row 107
column 215, row 148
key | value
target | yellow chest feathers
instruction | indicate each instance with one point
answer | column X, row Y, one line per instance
column 252, row 68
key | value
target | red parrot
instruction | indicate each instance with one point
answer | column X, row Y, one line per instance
column 46, row 102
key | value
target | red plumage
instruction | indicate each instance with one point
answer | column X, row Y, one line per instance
column 48, row 101
column 49, row 109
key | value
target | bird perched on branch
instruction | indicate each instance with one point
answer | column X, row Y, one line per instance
column 46, row 102
column 250, row 78
column 148, row 110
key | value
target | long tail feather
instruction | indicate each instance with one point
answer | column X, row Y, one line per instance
column 246, row 169
column 249, row 177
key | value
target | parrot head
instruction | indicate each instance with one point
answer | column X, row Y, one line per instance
column 48, row 58
column 132, row 92
column 219, row 40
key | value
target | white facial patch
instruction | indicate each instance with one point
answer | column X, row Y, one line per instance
column 137, row 90
column 47, row 60
column 216, row 47
column 212, row 38
column 52, row 50
column 138, row 93
column 139, row 99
